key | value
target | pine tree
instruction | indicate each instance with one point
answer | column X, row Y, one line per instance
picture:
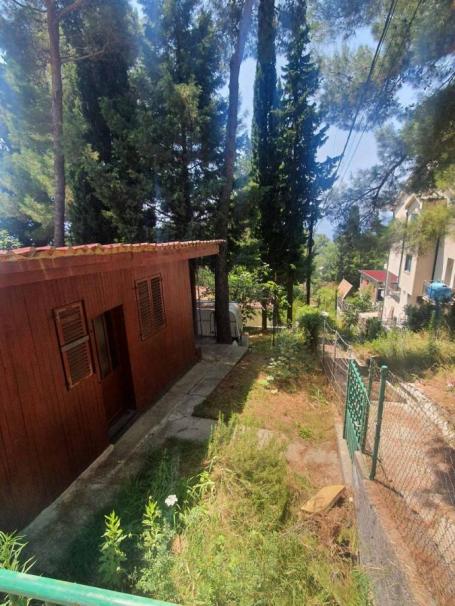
column 181, row 111
column 26, row 174
column 108, row 179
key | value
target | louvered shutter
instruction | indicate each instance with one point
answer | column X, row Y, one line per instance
column 74, row 343
column 144, row 307
column 159, row 316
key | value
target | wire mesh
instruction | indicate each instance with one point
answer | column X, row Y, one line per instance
column 416, row 466
column 416, row 474
column 335, row 355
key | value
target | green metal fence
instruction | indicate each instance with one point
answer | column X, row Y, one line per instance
column 42, row 590
column 357, row 410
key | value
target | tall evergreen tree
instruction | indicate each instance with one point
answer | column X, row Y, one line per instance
column 265, row 140
column 182, row 113
column 26, row 172
column 102, row 210
column 303, row 177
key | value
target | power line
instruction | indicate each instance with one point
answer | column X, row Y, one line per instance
column 386, row 80
column 368, row 80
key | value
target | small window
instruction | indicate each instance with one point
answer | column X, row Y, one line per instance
column 408, row 263
column 74, row 343
column 150, row 303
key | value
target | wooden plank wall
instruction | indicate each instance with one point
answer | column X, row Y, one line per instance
column 49, row 434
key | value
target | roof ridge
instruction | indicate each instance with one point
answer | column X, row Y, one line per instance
column 49, row 252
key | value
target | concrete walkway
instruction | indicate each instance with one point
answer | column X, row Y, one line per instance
column 50, row 534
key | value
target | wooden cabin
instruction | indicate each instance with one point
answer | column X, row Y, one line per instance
column 89, row 335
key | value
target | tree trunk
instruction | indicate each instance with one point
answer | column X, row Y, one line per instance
column 309, row 274
column 221, row 270
column 290, row 296
column 57, row 123
column 264, row 316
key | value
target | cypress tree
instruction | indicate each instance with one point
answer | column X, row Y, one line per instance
column 302, row 177
column 265, row 140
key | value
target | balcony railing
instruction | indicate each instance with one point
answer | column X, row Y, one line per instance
column 52, row 592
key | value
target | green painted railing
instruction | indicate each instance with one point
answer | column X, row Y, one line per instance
column 61, row 593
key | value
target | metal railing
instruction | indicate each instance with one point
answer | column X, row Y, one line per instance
column 50, row 592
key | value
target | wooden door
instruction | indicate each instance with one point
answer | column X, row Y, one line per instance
column 113, row 363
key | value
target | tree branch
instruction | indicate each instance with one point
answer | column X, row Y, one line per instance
column 41, row 11
column 70, row 8
column 91, row 55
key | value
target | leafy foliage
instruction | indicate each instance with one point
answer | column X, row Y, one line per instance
column 11, row 558
column 310, row 322
column 112, row 556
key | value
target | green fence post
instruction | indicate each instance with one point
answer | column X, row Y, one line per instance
column 346, row 400
column 377, row 436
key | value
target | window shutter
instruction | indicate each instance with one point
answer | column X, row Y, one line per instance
column 144, row 306
column 159, row 317
column 74, row 343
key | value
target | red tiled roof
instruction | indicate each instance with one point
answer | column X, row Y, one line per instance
column 379, row 275
column 50, row 252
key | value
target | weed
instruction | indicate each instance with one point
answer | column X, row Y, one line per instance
column 112, row 557
column 11, row 558
column 306, row 433
column 408, row 352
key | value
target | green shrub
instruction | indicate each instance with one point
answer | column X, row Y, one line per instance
column 112, row 556
column 406, row 352
column 289, row 355
column 373, row 329
column 360, row 302
column 418, row 317
column 310, row 322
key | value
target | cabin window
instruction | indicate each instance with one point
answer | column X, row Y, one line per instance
column 74, row 343
column 150, row 304
column 408, row 263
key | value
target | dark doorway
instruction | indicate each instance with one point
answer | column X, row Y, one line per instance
column 114, row 367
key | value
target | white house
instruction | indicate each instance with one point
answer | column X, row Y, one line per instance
column 412, row 269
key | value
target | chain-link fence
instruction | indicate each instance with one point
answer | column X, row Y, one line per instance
column 416, row 475
column 335, row 355
column 415, row 471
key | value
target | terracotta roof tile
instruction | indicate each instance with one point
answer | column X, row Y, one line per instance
column 379, row 275
column 49, row 252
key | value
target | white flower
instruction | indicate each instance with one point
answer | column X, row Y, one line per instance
column 171, row 500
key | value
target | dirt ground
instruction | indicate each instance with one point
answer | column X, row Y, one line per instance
column 440, row 388
column 302, row 412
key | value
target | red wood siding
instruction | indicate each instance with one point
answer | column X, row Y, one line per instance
column 49, row 433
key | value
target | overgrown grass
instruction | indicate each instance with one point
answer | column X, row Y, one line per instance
column 166, row 471
column 236, row 534
column 244, row 543
column 407, row 352
column 235, row 537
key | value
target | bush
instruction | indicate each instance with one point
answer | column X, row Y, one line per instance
column 356, row 304
column 418, row 317
column 373, row 329
column 405, row 351
column 310, row 322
